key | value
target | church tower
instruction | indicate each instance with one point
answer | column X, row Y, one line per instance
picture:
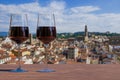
column 86, row 34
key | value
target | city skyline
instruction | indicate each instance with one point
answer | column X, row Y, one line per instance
column 71, row 15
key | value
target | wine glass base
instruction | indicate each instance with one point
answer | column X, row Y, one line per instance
column 18, row 70
column 46, row 70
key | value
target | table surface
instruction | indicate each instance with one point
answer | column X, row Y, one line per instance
column 63, row 72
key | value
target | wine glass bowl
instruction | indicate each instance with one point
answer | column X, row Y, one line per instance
column 46, row 34
column 19, row 34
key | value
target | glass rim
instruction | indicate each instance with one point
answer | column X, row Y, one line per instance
column 18, row 14
column 46, row 13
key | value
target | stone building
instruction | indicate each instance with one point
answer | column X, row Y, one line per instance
column 114, row 40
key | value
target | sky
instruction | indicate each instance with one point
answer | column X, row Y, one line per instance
column 70, row 15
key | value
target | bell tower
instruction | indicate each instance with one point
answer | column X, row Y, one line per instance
column 86, row 34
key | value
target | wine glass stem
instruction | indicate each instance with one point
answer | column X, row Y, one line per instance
column 46, row 48
column 19, row 65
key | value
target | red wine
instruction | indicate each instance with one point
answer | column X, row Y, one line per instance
column 19, row 34
column 46, row 34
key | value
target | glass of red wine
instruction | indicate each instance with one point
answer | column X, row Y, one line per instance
column 46, row 32
column 18, row 32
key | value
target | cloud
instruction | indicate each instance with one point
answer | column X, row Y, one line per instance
column 32, row 9
column 67, row 19
column 84, row 9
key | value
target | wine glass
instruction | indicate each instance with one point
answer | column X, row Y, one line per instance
column 46, row 32
column 18, row 32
